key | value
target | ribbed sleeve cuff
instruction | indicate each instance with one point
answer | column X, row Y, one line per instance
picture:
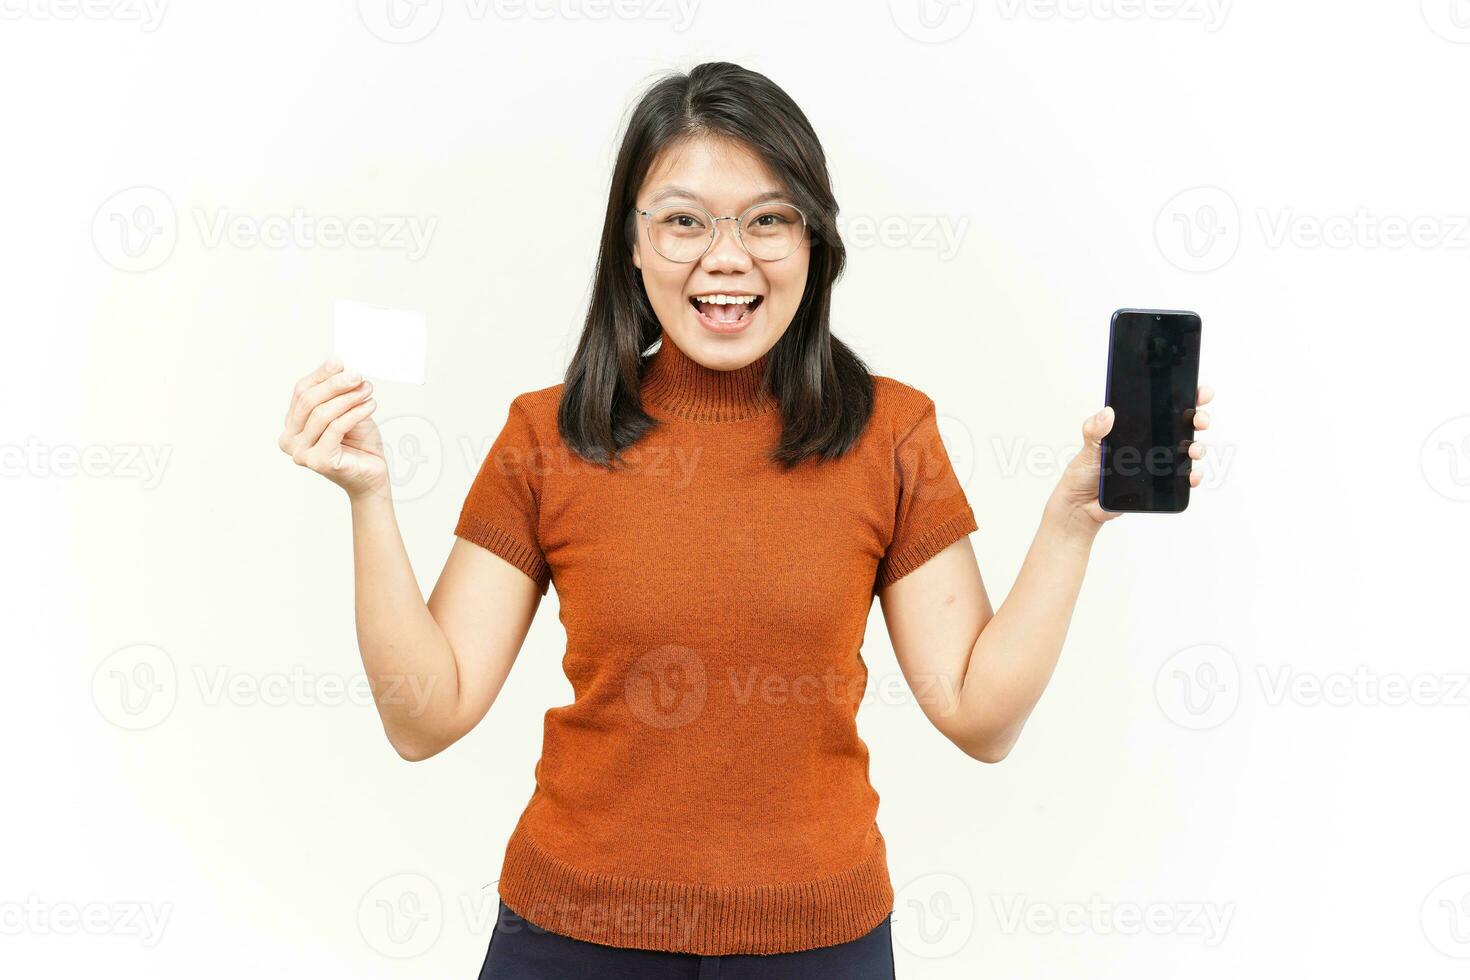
column 925, row 546
column 520, row 554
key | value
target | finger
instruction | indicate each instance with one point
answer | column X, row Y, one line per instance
column 1201, row 420
column 1196, row 450
column 331, row 409
column 1195, row 477
column 318, row 374
column 331, row 439
column 306, row 401
column 1204, row 394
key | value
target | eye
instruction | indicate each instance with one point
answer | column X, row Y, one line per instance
column 772, row 217
column 681, row 220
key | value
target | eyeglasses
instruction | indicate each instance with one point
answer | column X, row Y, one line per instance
column 684, row 232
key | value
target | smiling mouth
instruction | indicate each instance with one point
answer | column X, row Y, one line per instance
column 726, row 307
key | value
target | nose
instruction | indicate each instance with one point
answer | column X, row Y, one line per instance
column 725, row 253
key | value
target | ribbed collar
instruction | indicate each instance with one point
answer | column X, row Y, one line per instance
column 681, row 386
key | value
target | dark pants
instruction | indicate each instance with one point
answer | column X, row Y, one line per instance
column 520, row 950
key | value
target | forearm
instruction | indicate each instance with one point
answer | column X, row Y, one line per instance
column 410, row 665
column 1017, row 650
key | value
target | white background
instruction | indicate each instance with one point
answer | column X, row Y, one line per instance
column 1250, row 762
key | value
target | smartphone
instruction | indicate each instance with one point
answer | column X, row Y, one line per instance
column 1153, row 381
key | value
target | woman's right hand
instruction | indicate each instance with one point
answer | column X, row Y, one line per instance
column 329, row 429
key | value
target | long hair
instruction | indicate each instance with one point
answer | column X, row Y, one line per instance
column 823, row 389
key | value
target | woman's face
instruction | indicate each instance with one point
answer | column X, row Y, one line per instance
column 724, row 178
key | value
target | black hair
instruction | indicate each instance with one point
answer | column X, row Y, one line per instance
column 823, row 389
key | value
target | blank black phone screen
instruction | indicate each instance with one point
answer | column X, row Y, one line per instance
column 1153, row 376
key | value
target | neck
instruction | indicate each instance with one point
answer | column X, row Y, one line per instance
column 679, row 385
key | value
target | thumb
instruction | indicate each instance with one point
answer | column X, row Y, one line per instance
column 1093, row 430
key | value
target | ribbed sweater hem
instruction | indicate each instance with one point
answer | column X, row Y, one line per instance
column 688, row 917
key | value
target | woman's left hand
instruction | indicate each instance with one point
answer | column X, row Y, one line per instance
column 1077, row 491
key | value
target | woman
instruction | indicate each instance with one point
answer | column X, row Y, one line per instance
column 718, row 516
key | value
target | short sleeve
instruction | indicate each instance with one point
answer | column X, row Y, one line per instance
column 931, row 511
column 500, row 512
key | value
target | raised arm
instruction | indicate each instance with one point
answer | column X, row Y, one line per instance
column 434, row 667
column 978, row 675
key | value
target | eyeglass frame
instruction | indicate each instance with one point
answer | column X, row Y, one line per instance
column 714, row 228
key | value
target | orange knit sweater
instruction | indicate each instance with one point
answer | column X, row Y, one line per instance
column 706, row 791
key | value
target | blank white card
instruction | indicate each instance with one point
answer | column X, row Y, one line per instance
column 391, row 345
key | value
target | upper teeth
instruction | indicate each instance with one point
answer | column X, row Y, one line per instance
column 723, row 298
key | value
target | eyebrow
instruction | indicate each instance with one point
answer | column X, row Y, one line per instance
column 685, row 192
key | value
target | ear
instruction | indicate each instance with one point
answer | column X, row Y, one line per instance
column 637, row 259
